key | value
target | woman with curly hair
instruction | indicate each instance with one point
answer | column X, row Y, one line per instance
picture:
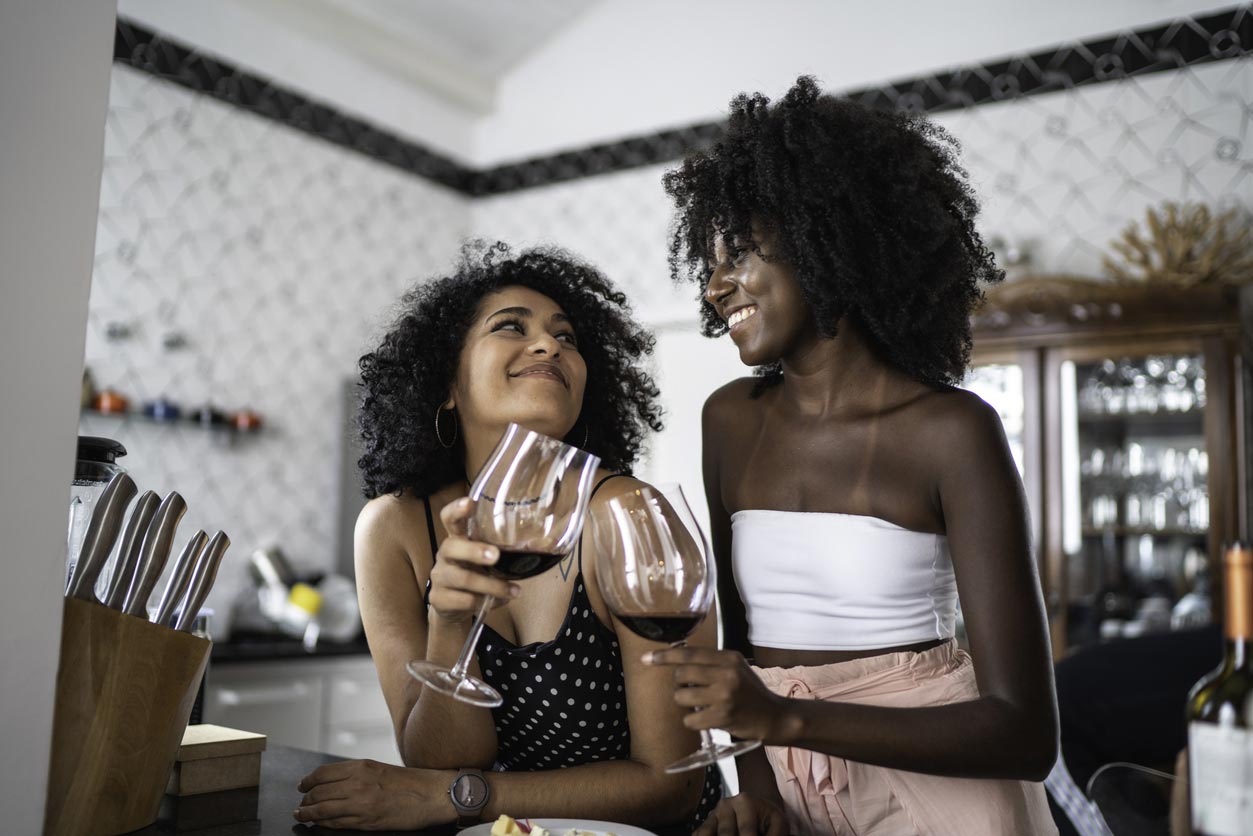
column 854, row 490
column 543, row 340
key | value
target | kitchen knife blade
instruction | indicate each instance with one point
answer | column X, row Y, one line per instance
column 106, row 519
column 202, row 579
column 180, row 578
column 154, row 553
column 128, row 553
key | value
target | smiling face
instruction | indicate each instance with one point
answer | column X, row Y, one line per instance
column 520, row 363
column 761, row 301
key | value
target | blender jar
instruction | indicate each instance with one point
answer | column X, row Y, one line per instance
column 96, row 465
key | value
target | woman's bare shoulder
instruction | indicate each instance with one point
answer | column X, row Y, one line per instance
column 619, row 485
column 731, row 403
column 732, row 394
column 398, row 522
column 957, row 423
column 956, row 410
column 389, row 513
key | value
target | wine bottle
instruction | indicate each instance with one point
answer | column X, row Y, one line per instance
column 1220, row 716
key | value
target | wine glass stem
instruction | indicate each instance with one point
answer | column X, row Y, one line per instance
column 706, row 739
column 462, row 667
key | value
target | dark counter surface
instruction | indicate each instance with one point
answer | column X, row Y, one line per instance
column 268, row 649
column 261, row 811
column 266, row 810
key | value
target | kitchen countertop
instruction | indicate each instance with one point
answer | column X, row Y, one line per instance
column 261, row 811
column 271, row 649
column 265, row 810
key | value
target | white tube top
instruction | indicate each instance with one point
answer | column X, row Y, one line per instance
column 818, row 581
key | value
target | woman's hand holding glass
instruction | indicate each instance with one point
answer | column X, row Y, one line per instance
column 528, row 505
column 653, row 567
column 729, row 695
column 459, row 578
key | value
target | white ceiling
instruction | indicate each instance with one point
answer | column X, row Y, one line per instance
column 490, row 81
column 490, row 36
column 459, row 49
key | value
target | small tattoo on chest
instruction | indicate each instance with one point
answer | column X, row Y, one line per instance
column 566, row 564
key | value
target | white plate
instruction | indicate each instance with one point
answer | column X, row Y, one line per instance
column 558, row 827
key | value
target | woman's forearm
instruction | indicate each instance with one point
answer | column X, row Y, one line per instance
column 440, row 732
column 618, row 790
column 982, row 738
column 757, row 777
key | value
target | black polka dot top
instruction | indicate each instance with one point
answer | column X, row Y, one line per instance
column 564, row 699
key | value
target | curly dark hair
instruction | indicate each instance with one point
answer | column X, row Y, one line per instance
column 404, row 381
column 870, row 208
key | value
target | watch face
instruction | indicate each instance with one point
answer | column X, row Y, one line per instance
column 470, row 790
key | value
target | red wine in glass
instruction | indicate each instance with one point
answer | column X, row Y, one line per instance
column 670, row 628
column 516, row 565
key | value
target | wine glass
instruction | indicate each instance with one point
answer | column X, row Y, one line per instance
column 654, row 569
column 1133, row 799
column 530, row 502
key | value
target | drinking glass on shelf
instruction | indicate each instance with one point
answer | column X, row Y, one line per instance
column 531, row 501
column 656, row 573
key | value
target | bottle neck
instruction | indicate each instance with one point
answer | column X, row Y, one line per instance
column 1238, row 602
column 1239, row 653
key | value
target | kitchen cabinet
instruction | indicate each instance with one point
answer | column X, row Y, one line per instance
column 1126, row 408
column 332, row 705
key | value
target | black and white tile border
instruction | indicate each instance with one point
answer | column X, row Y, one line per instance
column 1185, row 42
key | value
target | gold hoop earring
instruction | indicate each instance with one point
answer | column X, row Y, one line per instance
column 446, row 444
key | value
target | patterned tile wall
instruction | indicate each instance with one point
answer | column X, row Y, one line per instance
column 276, row 256
column 1059, row 175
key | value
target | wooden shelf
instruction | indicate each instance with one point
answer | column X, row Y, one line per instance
column 1176, row 423
column 1137, row 531
column 189, row 422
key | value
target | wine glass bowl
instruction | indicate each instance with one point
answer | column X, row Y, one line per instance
column 654, row 570
column 531, row 499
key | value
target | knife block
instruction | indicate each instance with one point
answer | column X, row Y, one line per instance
column 125, row 689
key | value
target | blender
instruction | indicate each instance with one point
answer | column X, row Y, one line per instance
column 96, row 465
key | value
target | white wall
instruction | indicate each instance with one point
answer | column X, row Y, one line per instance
column 689, row 367
column 628, row 67
column 54, row 82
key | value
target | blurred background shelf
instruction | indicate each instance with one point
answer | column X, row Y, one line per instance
column 193, row 421
column 1125, row 531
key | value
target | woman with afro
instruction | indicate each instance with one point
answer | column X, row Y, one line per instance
column 854, row 490
column 543, row 340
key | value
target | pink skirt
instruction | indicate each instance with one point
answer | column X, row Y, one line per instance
column 829, row 795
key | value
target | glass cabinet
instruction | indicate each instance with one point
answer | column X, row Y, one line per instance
column 1134, row 492
column 1125, row 410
